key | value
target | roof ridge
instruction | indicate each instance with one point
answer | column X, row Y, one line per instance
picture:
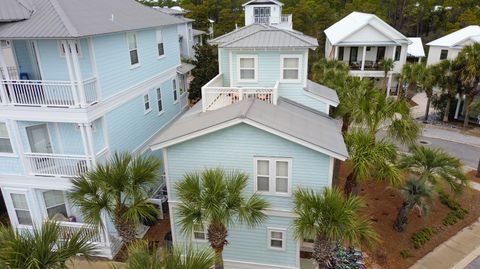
column 25, row 6
column 244, row 113
column 240, row 38
column 238, row 29
column 66, row 22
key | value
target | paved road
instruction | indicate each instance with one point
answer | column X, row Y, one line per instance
column 468, row 154
column 475, row 264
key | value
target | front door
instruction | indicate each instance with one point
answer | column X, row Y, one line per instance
column 380, row 53
column 39, row 139
column 353, row 55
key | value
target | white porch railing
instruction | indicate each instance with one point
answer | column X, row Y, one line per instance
column 93, row 232
column 12, row 72
column 49, row 92
column 215, row 96
column 262, row 20
column 59, row 165
column 286, row 18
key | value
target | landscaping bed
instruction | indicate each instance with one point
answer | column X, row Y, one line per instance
column 397, row 251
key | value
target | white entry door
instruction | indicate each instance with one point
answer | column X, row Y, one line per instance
column 39, row 139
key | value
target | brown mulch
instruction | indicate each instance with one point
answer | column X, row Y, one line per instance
column 472, row 177
column 383, row 202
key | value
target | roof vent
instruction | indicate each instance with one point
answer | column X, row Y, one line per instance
column 112, row 18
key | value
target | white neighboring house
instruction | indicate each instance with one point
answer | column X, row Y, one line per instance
column 267, row 12
column 187, row 36
column 449, row 46
column 415, row 51
column 362, row 41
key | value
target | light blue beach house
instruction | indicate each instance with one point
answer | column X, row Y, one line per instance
column 260, row 115
column 79, row 80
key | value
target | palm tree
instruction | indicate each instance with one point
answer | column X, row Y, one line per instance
column 447, row 81
column 387, row 66
column 215, row 198
column 42, row 248
column 328, row 217
column 329, row 72
column 427, row 80
column 417, row 194
column 469, row 72
column 141, row 257
column 410, row 75
column 118, row 188
column 379, row 111
column 370, row 159
column 435, row 166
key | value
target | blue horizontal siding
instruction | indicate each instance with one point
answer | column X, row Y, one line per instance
column 294, row 93
column 113, row 61
column 235, row 148
column 11, row 166
column 128, row 125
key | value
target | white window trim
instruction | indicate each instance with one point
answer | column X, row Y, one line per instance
column 255, row 63
column 200, row 240
column 175, row 83
column 9, row 132
column 146, row 111
column 11, row 208
column 272, row 176
column 133, row 66
column 158, row 37
column 161, row 100
column 45, row 209
column 269, row 238
column 62, row 53
column 299, row 79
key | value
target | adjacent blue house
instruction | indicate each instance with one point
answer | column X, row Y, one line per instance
column 79, row 80
column 260, row 115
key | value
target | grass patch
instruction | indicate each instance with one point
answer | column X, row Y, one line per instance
column 458, row 212
column 405, row 254
column 421, row 237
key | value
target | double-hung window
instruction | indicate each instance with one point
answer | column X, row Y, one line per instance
column 290, row 68
column 20, row 205
column 175, row 91
column 160, row 47
column 273, row 176
column 132, row 48
column 199, row 232
column 55, row 203
column 247, row 68
column 443, row 54
column 159, row 100
column 146, row 103
column 276, row 239
column 5, row 143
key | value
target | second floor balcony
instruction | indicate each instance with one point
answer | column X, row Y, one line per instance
column 215, row 95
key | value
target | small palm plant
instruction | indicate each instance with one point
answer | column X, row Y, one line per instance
column 371, row 160
column 120, row 189
column 215, row 198
column 417, row 194
column 141, row 257
column 328, row 217
column 435, row 166
column 45, row 248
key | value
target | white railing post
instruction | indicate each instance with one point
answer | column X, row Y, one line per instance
column 275, row 93
column 70, row 72
column 240, row 94
column 204, row 99
column 78, row 74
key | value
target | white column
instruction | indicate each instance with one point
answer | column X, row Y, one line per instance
column 4, row 67
column 363, row 57
column 71, row 73
column 19, row 145
column 88, row 127
column 394, row 49
column 336, row 49
column 77, row 71
column 457, row 109
column 85, row 143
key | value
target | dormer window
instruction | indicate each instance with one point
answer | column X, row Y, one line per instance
column 247, row 67
column 290, row 68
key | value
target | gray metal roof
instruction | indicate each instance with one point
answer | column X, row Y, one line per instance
column 185, row 68
column 170, row 11
column 264, row 36
column 323, row 92
column 253, row 2
column 196, row 32
column 291, row 119
column 14, row 10
column 77, row 18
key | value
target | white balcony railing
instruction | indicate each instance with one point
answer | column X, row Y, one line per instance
column 286, row 18
column 59, row 165
column 49, row 93
column 262, row 20
column 215, row 96
column 93, row 232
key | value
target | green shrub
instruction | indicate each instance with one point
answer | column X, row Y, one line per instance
column 449, row 201
column 405, row 253
column 458, row 212
column 421, row 237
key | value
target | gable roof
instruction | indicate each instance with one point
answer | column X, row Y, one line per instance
column 456, row 38
column 253, row 2
column 287, row 119
column 415, row 49
column 324, row 93
column 14, row 10
column 264, row 36
column 355, row 21
column 78, row 18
